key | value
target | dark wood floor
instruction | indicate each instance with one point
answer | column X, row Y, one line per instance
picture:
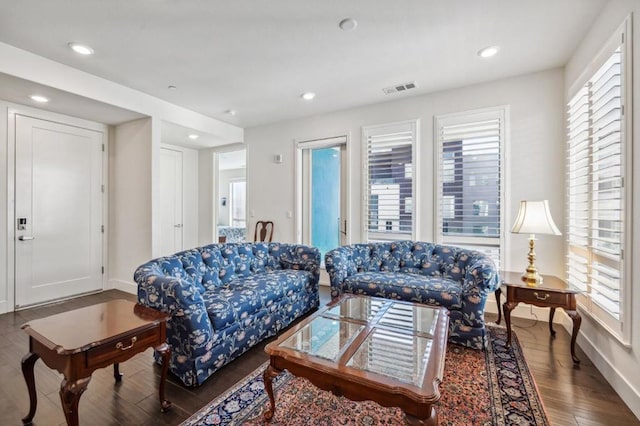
column 572, row 396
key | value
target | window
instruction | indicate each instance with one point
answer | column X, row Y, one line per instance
column 389, row 180
column 238, row 190
column 597, row 140
column 470, row 176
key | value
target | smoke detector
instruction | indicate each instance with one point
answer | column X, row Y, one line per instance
column 400, row 87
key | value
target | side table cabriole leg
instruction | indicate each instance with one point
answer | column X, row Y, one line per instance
column 268, row 377
column 28, row 362
column 70, row 393
column 165, row 351
column 498, row 293
column 116, row 372
column 507, row 308
column 551, row 314
column 577, row 320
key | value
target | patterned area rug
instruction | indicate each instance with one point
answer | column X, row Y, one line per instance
column 493, row 387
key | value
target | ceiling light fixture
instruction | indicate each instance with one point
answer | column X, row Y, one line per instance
column 307, row 96
column 193, row 136
column 81, row 49
column 348, row 24
column 488, row 52
column 39, row 98
column 171, row 87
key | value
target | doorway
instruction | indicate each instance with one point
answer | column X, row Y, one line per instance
column 323, row 194
column 171, row 224
column 58, row 210
column 231, row 222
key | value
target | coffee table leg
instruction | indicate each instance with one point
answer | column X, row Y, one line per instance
column 432, row 420
column 70, row 393
column 268, row 376
column 28, row 363
column 165, row 351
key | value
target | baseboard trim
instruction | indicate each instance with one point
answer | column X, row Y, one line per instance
column 122, row 285
column 618, row 382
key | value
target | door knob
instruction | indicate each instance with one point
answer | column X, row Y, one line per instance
column 23, row 238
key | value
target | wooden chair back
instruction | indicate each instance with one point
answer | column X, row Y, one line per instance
column 263, row 230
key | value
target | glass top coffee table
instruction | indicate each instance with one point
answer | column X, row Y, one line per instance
column 368, row 348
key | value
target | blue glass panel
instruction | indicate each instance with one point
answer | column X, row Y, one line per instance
column 325, row 196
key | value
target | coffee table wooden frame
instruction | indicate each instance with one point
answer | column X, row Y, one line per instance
column 77, row 355
column 416, row 401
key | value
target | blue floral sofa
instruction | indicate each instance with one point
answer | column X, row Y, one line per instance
column 225, row 298
column 456, row 278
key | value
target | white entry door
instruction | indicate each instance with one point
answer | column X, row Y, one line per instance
column 58, row 210
column 170, row 201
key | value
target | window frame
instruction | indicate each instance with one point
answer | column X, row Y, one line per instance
column 620, row 329
column 502, row 113
column 414, row 124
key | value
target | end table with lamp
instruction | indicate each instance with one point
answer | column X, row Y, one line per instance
column 533, row 218
column 553, row 293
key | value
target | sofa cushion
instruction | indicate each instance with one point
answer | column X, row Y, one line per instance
column 213, row 260
column 413, row 287
column 260, row 258
column 194, row 266
column 245, row 296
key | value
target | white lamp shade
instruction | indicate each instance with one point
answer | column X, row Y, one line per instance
column 534, row 217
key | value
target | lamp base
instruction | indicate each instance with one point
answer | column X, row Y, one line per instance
column 533, row 279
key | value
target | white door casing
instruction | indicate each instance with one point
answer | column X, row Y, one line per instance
column 58, row 191
column 171, row 204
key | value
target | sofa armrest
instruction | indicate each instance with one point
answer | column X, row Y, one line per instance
column 339, row 265
column 190, row 331
column 302, row 257
column 480, row 280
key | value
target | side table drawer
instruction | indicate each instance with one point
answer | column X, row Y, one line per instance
column 543, row 297
column 130, row 344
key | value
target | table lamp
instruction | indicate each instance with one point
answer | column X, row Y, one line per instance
column 533, row 218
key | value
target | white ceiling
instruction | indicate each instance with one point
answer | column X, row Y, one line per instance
column 257, row 57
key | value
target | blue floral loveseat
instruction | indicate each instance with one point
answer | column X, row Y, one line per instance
column 225, row 298
column 455, row 278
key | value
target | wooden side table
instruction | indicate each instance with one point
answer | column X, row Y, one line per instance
column 77, row 342
column 553, row 293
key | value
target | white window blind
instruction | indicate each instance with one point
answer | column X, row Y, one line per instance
column 596, row 138
column 469, row 180
column 389, row 181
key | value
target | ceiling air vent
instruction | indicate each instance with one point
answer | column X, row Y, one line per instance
column 399, row 87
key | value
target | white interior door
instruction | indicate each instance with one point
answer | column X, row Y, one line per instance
column 58, row 204
column 171, row 201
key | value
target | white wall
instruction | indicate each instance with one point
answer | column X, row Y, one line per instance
column 190, row 194
column 130, row 204
column 4, row 242
column 226, row 177
column 535, row 156
column 206, row 213
column 619, row 364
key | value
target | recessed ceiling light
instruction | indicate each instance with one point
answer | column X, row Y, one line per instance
column 39, row 98
column 171, row 87
column 230, row 112
column 193, row 136
column 308, row 96
column 81, row 49
column 348, row 24
column 488, row 52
